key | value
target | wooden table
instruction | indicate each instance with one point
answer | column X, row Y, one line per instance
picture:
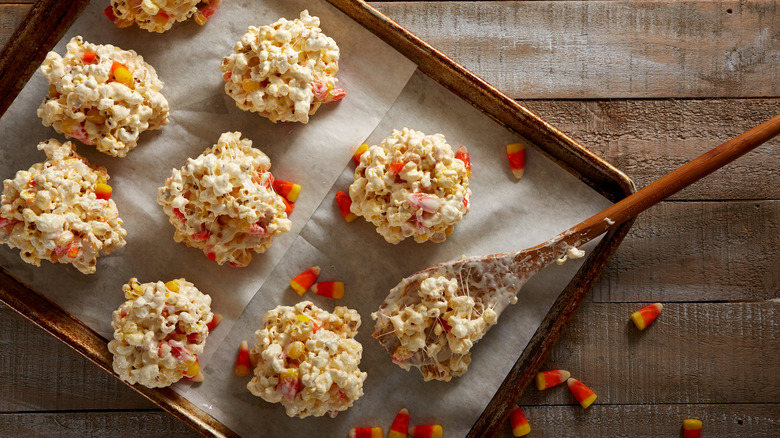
column 646, row 86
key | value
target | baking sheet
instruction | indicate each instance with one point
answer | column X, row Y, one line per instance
column 506, row 215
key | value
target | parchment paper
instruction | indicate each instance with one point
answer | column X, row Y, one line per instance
column 506, row 215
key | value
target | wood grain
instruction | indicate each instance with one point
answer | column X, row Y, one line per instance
column 649, row 138
column 693, row 353
column 720, row 421
column 561, row 49
column 11, row 17
column 697, row 251
column 146, row 424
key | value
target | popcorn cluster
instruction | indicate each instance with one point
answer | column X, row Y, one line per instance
column 52, row 212
column 160, row 15
column 307, row 360
column 223, row 202
column 284, row 71
column 411, row 185
column 102, row 95
column 159, row 332
column 446, row 319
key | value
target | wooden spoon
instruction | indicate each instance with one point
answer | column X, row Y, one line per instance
column 492, row 281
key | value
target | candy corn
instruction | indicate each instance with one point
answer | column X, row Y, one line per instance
column 463, row 155
column 288, row 206
column 243, row 364
column 193, row 372
column 516, row 153
column 644, row 316
column 517, row 420
column 330, row 289
column 103, row 191
column 344, row 202
column 582, row 393
column 214, row 322
column 400, row 425
column 426, row 431
column 356, row 156
column 288, row 190
column 109, row 12
column 365, row 432
column 691, row 428
column 303, row 281
column 121, row 74
column 548, row 379
column 88, row 57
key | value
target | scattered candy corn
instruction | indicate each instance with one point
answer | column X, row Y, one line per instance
column 330, row 289
column 205, row 10
column 356, row 156
column 365, row 432
column 396, row 167
column 548, row 379
column 172, row 286
column 303, row 281
column 344, row 202
column 109, row 12
column 288, row 206
column 400, row 425
column 516, row 153
column 692, row 428
column 582, row 393
column 519, row 423
column 103, row 191
column 426, row 431
column 214, row 322
column 288, row 190
column 644, row 316
column 463, row 155
column 243, row 364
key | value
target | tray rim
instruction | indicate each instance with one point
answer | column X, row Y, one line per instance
column 48, row 20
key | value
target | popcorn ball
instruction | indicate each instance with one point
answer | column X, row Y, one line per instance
column 223, row 202
column 159, row 15
column 439, row 327
column 307, row 360
column 284, row 71
column 411, row 185
column 102, row 95
column 159, row 332
column 60, row 210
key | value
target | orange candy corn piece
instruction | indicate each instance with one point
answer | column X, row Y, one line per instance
column 548, row 379
column 288, row 206
column 243, row 364
column 214, row 322
column 356, row 156
column 692, row 428
column 519, row 423
column 303, row 281
column 288, row 190
column 463, row 155
column 330, row 289
column 365, row 432
column 426, row 431
column 644, row 316
column 344, row 202
column 582, row 393
column 103, row 191
column 400, row 425
column 193, row 372
column 516, row 153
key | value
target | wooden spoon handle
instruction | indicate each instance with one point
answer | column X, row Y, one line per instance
column 671, row 183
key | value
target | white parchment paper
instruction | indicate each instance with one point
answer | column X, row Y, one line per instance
column 383, row 93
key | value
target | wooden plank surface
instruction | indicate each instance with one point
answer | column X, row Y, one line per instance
column 572, row 49
column 645, row 85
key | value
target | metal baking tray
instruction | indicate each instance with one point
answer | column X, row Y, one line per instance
column 45, row 25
